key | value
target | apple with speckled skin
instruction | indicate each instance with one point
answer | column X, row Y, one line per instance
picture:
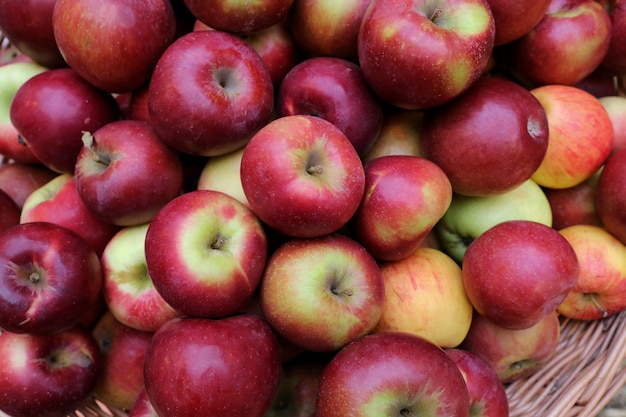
column 515, row 19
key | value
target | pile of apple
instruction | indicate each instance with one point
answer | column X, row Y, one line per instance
column 304, row 207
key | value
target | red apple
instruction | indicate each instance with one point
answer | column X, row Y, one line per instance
column 41, row 291
column 405, row 196
column 203, row 367
column 615, row 106
column 19, row 180
column 47, row 375
column 422, row 54
column 113, row 45
column 142, row 406
column 52, row 109
column 9, row 211
column 209, row 92
column 514, row 19
column 465, row 137
column 333, row 89
column 205, row 253
column 322, row 293
column 392, row 374
column 118, row 167
column 302, row 176
column 611, row 199
column 599, row 83
column 518, row 271
column 615, row 57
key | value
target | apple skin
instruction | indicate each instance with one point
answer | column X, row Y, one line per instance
column 223, row 173
column 47, row 375
column 424, row 295
column 205, row 253
column 198, row 366
column 614, row 59
column 142, row 406
column 404, row 198
column 210, row 91
column 9, row 211
column 239, row 17
column 85, row 32
column 52, row 109
column 514, row 19
column 514, row 354
column 19, row 180
column 422, row 54
column 468, row 217
column 399, row 134
column 575, row 205
column 567, row 45
column 327, row 27
column 28, row 26
column 302, row 176
column 518, row 271
column 610, row 198
column 58, row 202
column 349, row 104
column 465, row 137
column 615, row 106
column 128, row 290
column 122, row 350
column 392, row 374
column 580, row 139
column 332, row 273
column 117, row 168
column 488, row 397
column 40, row 291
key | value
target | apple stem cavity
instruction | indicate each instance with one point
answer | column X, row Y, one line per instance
column 405, row 412
column 435, row 15
column 342, row 292
column 90, row 143
column 218, row 243
column 594, row 300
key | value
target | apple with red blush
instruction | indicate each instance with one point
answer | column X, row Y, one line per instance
column 614, row 59
column 142, row 407
column 611, row 201
column 615, row 106
column 19, row 180
column 514, row 19
column 399, row 135
column 9, row 211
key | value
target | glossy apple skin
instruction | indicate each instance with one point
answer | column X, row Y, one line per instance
column 52, row 109
column 19, row 180
column 610, row 198
column 123, row 350
column 201, row 367
column 209, row 93
column 615, row 60
column 47, row 375
column 513, row 354
column 518, row 271
column 615, row 106
column 142, row 406
column 238, row 17
column 581, row 136
column 58, row 202
column 465, row 137
column 302, row 176
column 327, row 27
column 85, row 32
column 575, row 205
column 205, row 253
column 388, row 373
column 331, row 273
column 119, row 187
column 333, row 89
column 446, row 56
column 43, row 292
column 28, row 26
column 488, row 397
column 9, row 211
column 567, row 45
column 514, row 19
column 404, row 198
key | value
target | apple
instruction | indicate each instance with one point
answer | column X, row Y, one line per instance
column 19, row 179
column 599, row 291
column 142, row 406
column 128, row 290
column 392, row 374
column 205, row 253
column 210, row 91
column 614, row 59
column 302, row 176
column 118, row 167
column 123, row 350
column 204, row 367
column 567, row 45
column 399, row 135
column 580, row 138
column 12, row 76
column 28, row 26
column 468, row 217
column 222, row 173
column 514, row 19
column 9, row 211
column 514, row 354
column 326, row 27
column 518, row 271
column 47, row 375
column 40, row 291
column 321, row 293
column 51, row 110
column 349, row 104
column 615, row 106
column 90, row 35
column 405, row 196
column 422, row 54
column 465, row 137
column 239, row 17
column 610, row 199
column 600, row 83
column 424, row 295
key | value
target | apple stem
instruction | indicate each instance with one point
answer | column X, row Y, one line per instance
column 218, row 243
column 34, row 277
column 436, row 14
column 315, row 170
column 346, row 291
column 597, row 304
column 406, row 413
column 90, row 143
